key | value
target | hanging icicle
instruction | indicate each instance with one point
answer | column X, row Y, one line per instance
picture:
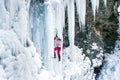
column 81, row 10
column 105, row 2
column 95, row 6
column 14, row 15
column 4, row 15
column 119, row 20
column 59, row 12
column 71, row 23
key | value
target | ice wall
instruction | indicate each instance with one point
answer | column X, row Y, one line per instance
column 14, row 15
column 37, row 27
column 44, row 20
column 18, row 57
column 16, row 61
column 19, row 18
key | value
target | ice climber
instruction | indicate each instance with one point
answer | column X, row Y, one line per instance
column 57, row 47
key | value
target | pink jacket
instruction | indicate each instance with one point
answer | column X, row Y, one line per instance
column 57, row 42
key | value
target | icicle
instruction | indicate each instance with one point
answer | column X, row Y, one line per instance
column 13, row 11
column 65, row 3
column 81, row 10
column 59, row 12
column 71, row 23
column 119, row 20
column 95, row 6
column 119, row 10
column 50, row 25
column 105, row 2
column 119, row 25
column 4, row 16
column 19, row 18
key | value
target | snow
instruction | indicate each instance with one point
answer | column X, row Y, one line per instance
column 111, row 69
column 2, row 73
column 94, row 46
column 45, row 75
column 79, row 69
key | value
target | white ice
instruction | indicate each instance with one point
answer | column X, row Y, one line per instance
column 17, row 62
column 105, row 2
column 81, row 10
column 71, row 24
column 95, row 6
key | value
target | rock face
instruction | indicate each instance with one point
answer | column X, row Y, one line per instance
column 107, row 23
column 102, row 30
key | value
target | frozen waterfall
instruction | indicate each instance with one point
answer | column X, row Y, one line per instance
column 27, row 30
